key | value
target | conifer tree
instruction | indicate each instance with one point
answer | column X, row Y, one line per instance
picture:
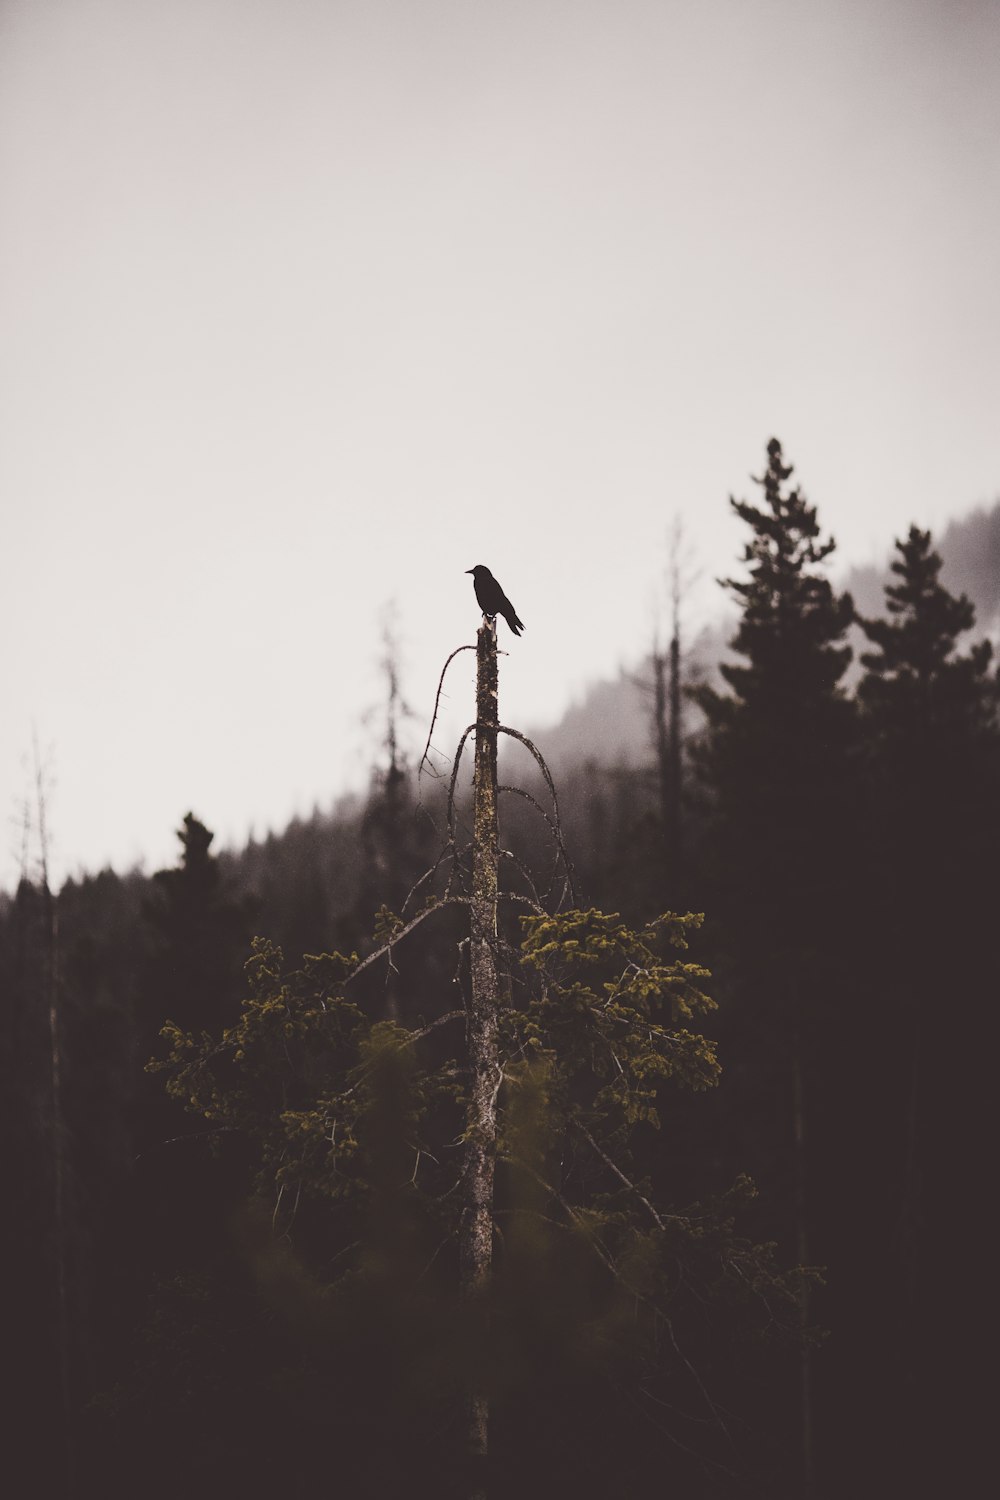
column 773, row 758
column 200, row 936
column 933, row 734
column 933, row 764
column 773, row 754
column 192, row 976
column 918, row 692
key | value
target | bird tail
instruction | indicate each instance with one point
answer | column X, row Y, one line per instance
column 514, row 623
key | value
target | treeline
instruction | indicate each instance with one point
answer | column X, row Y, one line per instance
column 842, row 842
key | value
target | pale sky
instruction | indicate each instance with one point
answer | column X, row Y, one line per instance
column 309, row 306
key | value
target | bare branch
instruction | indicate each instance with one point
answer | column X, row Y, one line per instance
column 658, row 1219
column 437, row 701
column 437, row 1252
column 553, row 828
column 454, row 778
column 397, row 937
column 519, row 791
column 43, row 785
column 716, row 1413
column 703, row 1458
column 523, row 869
column 346, row 1251
column 524, row 901
column 416, row 1036
column 529, row 745
column 407, row 1041
column 447, row 851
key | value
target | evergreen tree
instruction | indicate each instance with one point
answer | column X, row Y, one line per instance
column 200, row 933
column 921, row 696
column 774, row 759
column 172, row 1210
column 773, row 756
column 933, row 764
column 774, row 742
column 28, row 1243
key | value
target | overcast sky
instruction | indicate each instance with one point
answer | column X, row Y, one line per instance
column 309, row 306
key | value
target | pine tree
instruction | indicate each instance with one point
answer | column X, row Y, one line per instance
column 933, row 761
column 918, row 691
column 773, row 753
column 200, row 936
column 192, row 976
column 774, row 759
column 933, row 733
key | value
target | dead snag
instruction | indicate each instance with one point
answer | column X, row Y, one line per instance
column 476, row 1241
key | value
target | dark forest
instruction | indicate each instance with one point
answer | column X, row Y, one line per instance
column 741, row 985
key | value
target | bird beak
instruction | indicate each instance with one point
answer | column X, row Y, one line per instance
column 470, row 570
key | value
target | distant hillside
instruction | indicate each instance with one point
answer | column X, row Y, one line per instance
column 612, row 723
column 609, row 724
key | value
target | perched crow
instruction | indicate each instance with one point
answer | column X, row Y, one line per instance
column 492, row 599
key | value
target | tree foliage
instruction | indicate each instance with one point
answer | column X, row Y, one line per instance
column 919, row 691
column 774, row 749
column 356, row 1127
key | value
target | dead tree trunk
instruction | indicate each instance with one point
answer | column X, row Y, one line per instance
column 663, row 762
column 667, row 699
column 476, row 1241
column 674, row 753
column 667, row 689
column 57, row 1133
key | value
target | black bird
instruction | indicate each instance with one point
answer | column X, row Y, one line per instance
column 492, row 599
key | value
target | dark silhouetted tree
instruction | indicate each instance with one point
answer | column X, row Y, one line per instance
column 923, row 698
column 774, row 756
column 200, row 933
column 933, row 767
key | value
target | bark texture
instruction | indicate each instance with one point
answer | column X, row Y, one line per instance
column 476, row 1246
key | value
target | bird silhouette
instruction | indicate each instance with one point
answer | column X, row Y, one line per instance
column 492, row 599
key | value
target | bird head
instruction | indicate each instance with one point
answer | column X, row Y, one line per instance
column 479, row 571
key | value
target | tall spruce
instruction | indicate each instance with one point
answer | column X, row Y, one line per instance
column 774, row 745
column 773, row 757
column 933, row 761
column 200, row 932
column 920, row 694
column 667, row 673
